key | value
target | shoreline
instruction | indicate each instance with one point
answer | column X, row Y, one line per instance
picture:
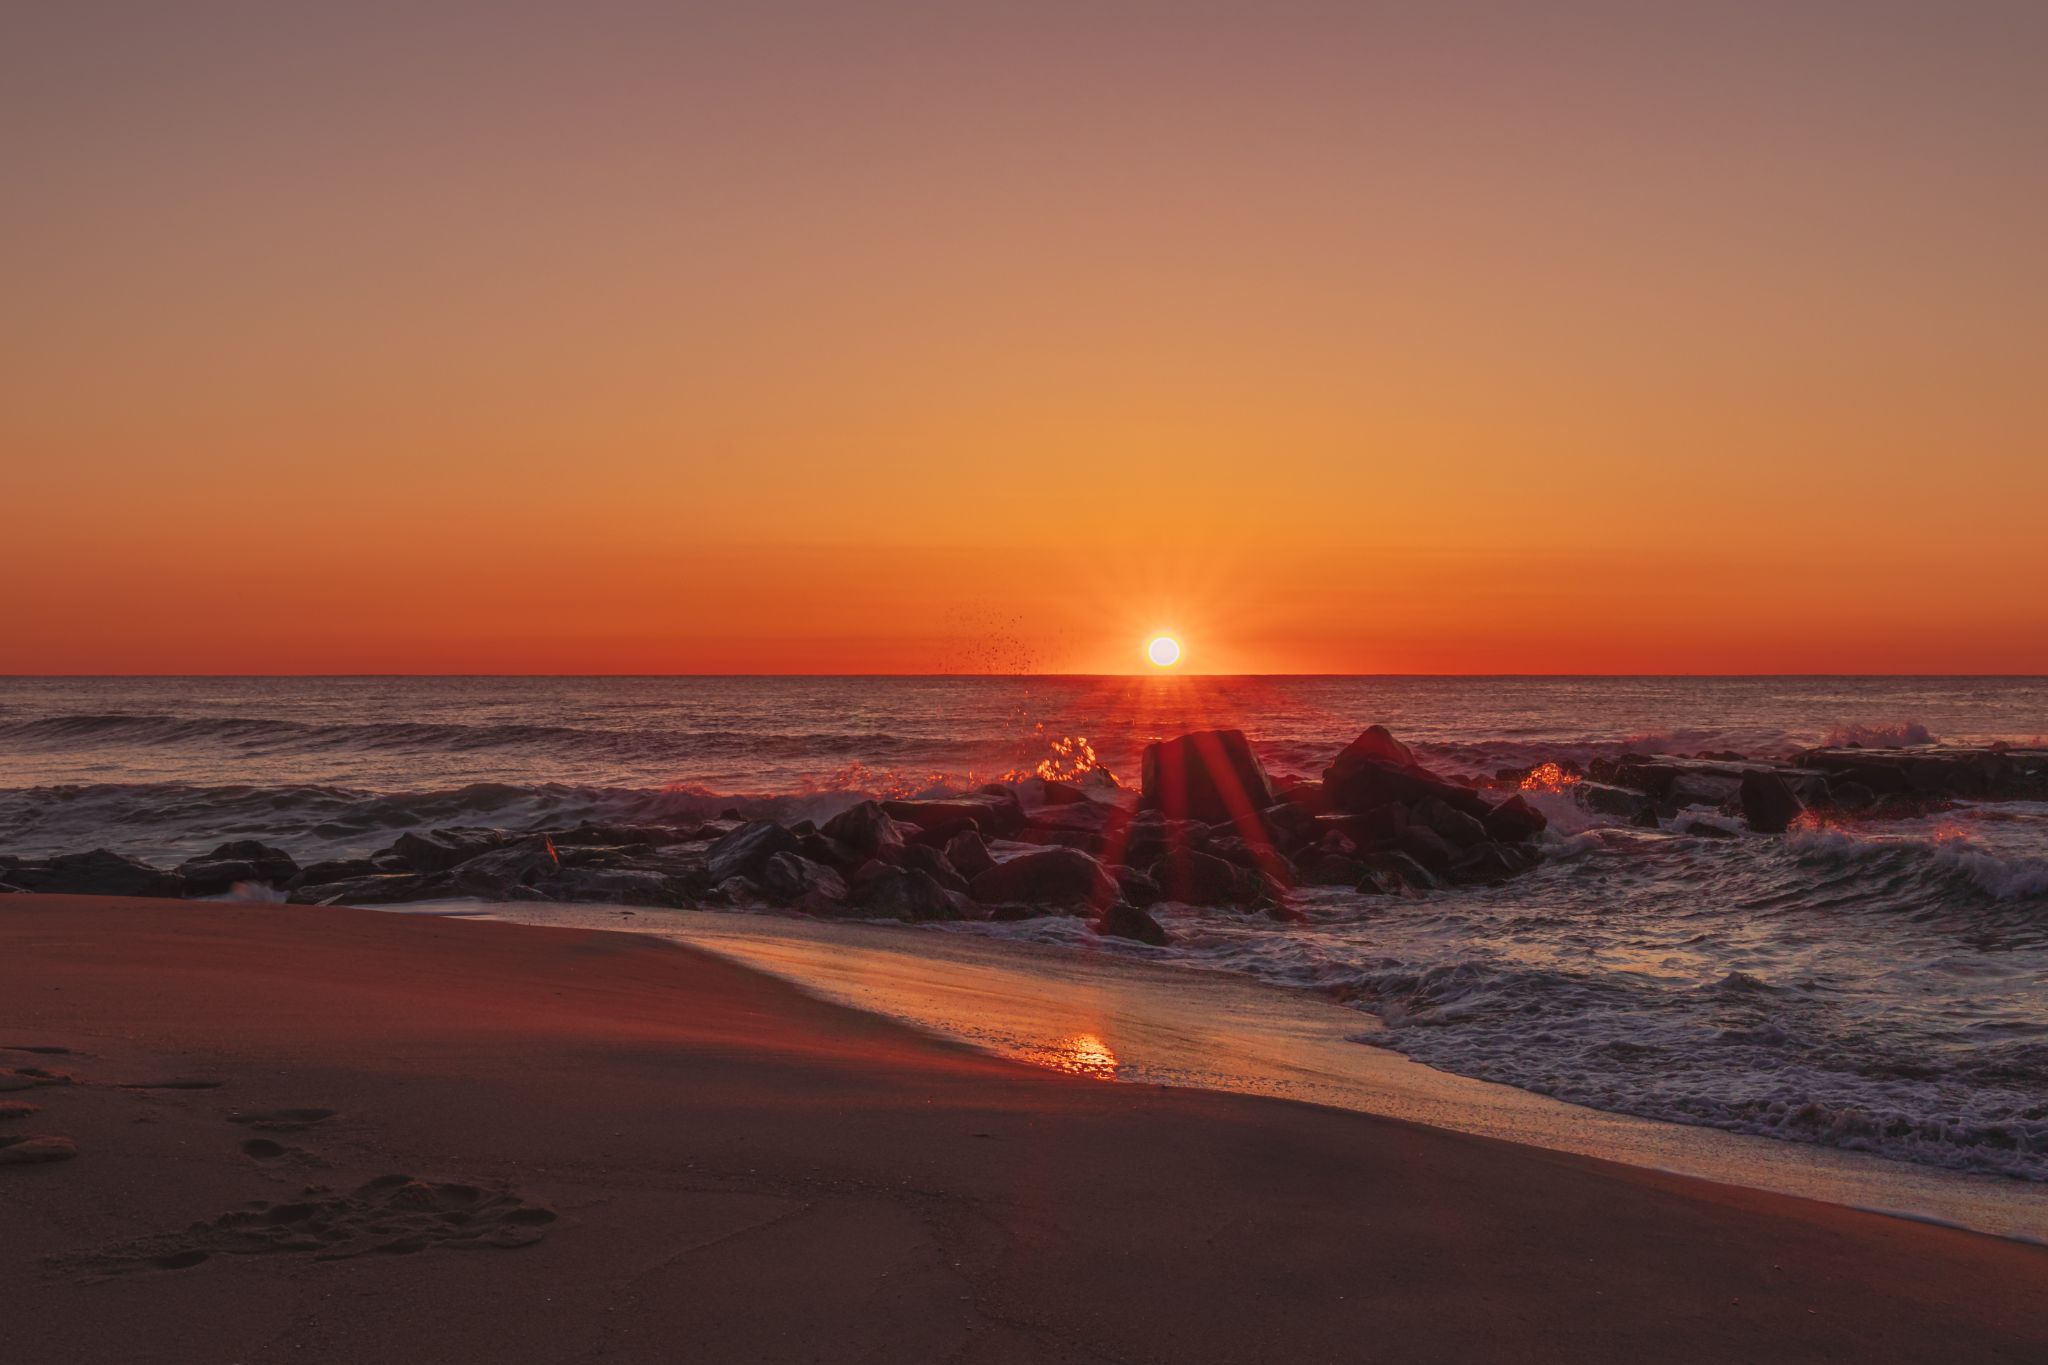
column 1197, row 1027
column 717, row 1158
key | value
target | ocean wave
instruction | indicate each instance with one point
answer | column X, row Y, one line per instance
column 1898, row 736
column 1945, row 853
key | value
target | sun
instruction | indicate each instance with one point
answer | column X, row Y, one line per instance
column 1163, row 650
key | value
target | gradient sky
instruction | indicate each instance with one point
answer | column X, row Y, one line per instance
column 832, row 337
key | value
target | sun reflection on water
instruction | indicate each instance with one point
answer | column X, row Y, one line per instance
column 1077, row 1054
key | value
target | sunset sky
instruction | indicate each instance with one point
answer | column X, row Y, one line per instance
column 837, row 337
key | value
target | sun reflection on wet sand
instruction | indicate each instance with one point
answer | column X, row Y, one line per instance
column 1077, row 1054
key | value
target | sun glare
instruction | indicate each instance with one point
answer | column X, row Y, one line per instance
column 1163, row 651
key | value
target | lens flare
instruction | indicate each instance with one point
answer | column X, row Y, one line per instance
column 1164, row 651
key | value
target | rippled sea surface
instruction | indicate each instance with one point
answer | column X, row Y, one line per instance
column 1881, row 986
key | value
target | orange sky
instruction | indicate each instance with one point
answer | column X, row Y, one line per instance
column 821, row 337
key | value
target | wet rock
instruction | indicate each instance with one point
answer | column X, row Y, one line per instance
column 1515, row 821
column 1332, row 869
column 1065, row 877
column 995, row 812
column 1367, row 775
column 1994, row 772
column 1487, row 864
column 437, row 850
column 969, row 854
column 904, row 893
column 865, row 829
column 1455, row 827
column 1397, row 870
column 1138, row 888
column 1193, row 878
column 1211, row 776
column 497, row 872
column 933, row 864
column 1768, row 803
column 98, row 873
column 1128, row 921
column 335, row 870
column 745, row 851
column 795, row 880
column 588, row 832
column 239, row 860
column 1427, row 847
column 1703, row 789
column 383, row 889
column 1622, row 804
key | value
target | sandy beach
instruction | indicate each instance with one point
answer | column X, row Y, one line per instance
column 623, row 1149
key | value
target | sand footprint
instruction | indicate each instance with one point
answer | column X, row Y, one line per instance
column 391, row 1215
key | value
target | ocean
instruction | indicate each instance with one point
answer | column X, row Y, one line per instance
column 1880, row 986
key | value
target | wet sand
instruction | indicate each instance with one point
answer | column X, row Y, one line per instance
column 620, row 1148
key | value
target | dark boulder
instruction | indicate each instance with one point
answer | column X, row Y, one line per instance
column 437, row 850
column 995, row 812
column 865, row 829
column 745, row 851
column 1065, row 877
column 904, row 893
column 1768, row 802
column 1427, row 847
column 1397, row 870
column 389, row 888
column 1211, row 776
column 1486, row 863
column 496, row 873
column 1138, row 888
column 1128, row 921
column 1622, row 804
column 1332, row 869
column 933, row 864
column 1515, row 821
column 98, row 873
column 1457, row 828
column 336, row 870
column 1193, row 878
column 1370, row 773
column 238, row 860
column 968, row 854
column 791, row 879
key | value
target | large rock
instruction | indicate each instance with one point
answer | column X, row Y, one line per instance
column 865, row 829
column 905, row 893
column 1515, row 821
column 496, row 873
column 794, row 880
column 1768, row 803
column 1211, row 776
column 745, row 851
column 1065, row 877
column 98, row 873
column 239, row 860
column 1128, row 921
column 1370, row 773
column 968, row 852
column 995, row 812
column 1194, row 878
column 437, row 850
